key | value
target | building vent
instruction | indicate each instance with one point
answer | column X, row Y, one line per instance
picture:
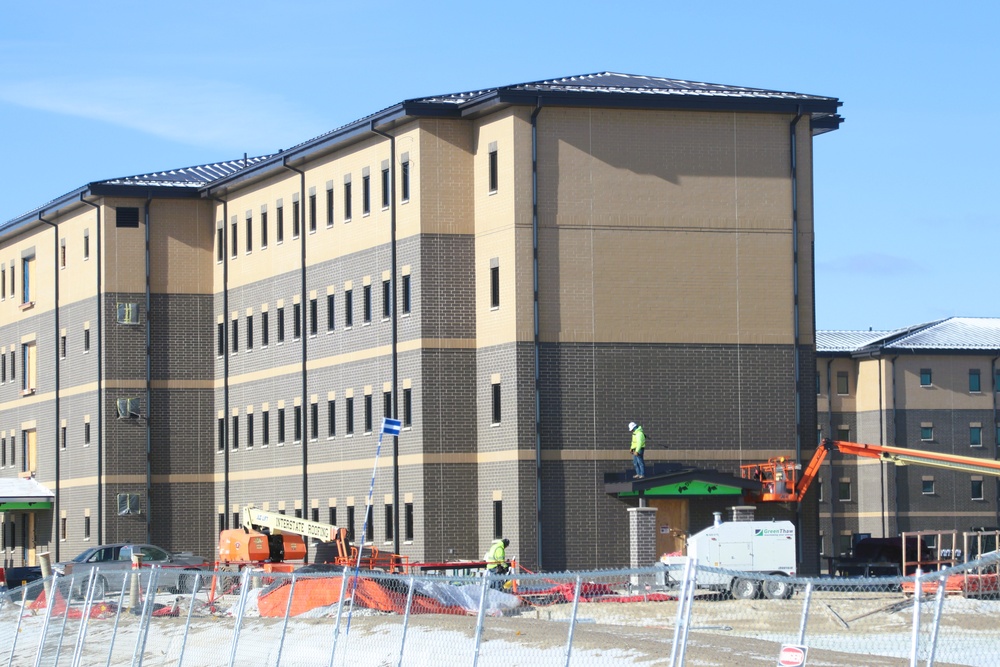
column 126, row 216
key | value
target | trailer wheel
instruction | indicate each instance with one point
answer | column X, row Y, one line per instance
column 775, row 589
column 745, row 589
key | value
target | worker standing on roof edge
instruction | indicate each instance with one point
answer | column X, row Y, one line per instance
column 638, row 445
column 496, row 560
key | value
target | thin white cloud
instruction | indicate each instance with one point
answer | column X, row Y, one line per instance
column 200, row 113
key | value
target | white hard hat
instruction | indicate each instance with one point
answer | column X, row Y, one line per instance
column 631, row 426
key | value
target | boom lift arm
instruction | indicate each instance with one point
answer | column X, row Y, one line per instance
column 274, row 537
column 781, row 482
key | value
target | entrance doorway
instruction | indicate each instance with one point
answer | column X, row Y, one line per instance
column 671, row 524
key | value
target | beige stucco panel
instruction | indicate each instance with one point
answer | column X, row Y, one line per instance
column 950, row 382
column 446, row 176
column 42, row 286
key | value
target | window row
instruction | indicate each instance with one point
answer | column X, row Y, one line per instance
column 310, row 217
column 351, row 520
column 312, row 323
column 254, row 428
column 25, row 356
column 926, row 488
column 26, row 270
column 926, row 433
column 926, row 380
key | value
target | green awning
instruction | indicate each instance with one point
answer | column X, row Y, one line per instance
column 685, row 489
column 24, row 493
column 40, row 505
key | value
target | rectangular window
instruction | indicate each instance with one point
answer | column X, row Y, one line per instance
column 369, row 525
column 975, row 385
column 331, row 418
column 27, row 273
column 279, row 223
column 265, row 331
column 330, row 311
column 497, row 519
column 3, row 283
column 127, row 216
column 408, row 522
column 233, row 240
column 385, row 188
column 494, row 287
column 329, row 207
column 349, row 308
column 281, row 426
column 368, row 413
column 250, row 430
column 28, row 370
column 313, row 317
column 331, row 516
column 127, row 313
column 86, row 245
column 313, row 421
column 62, row 256
column 925, row 377
column 927, row 487
column 407, row 407
column 977, row 489
column 297, row 321
column 62, row 437
column 86, row 433
column 347, row 201
column 406, row 295
column 222, row 521
column 844, row 434
column 387, row 404
column 386, row 299
column 297, row 426
column 263, row 229
column 314, row 515
column 3, row 453
column 249, row 332
column 62, row 528
column 281, row 325
column 494, row 171
column 366, row 194
column 819, row 489
column 236, row 432
column 86, row 528
column 976, row 436
column 367, row 310
column 86, row 340
column 842, row 384
column 249, row 233
column 496, row 403
column 295, row 220
column 404, row 180
column 844, row 491
column 389, row 520
column 926, row 433
column 222, row 433
column 265, row 428
column 62, row 347
column 13, row 365
column 350, row 523
column 235, row 336
column 312, row 213
column 221, row 347
column 349, row 416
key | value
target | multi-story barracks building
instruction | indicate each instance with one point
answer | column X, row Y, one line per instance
column 516, row 273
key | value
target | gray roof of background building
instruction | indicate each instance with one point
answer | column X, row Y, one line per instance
column 954, row 334
column 187, row 177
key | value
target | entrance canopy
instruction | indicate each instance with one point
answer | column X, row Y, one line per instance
column 19, row 493
column 675, row 480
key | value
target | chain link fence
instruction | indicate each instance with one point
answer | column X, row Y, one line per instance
column 663, row 615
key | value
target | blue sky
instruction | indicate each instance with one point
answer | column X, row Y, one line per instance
column 905, row 192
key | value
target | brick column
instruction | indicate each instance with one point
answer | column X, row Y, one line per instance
column 642, row 536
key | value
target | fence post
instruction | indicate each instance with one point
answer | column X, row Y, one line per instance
column 147, row 610
column 284, row 625
column 572, row 619
column 689, row 603
column 406, row 621
column 48, row 614
column 340, row 609
column 87, row 605
column 805, row 613
column 244, row 592
column 918, row 587
column 938, row 604
column 681, row 603
column 118, row 615
column 62, row 628
column 187, row 624
column 479, row 616
column 17, row 628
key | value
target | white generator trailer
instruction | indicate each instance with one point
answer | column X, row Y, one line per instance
column 753, row 547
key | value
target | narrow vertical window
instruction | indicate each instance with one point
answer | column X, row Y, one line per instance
column 977, row 489
column 235, row 444
column 349, row 308
column 366, row 194
column 313, row 421
column 331, row 515
column 386, row 300
column 368, row 413
column 86, row 528
column 250, row 430
column 265, row 331
column 369, row 525
column 27, row 265
column 408, row 522
column 249, row 332
column 62, row 437
column 62, row 347
column 86, row 433
column 281, row 325
column 331, row 418
column 496, row 403
column 62, row 255
column 494, row 287
column 406, row 294
column 233, row 242
column 329, row 207
column 407, row 407
column 297, row 426
column 222, row 433
column 976, row 436
column 281, row 426
column 347, row 201
column 313, row 317
column 265, row 428
column 350, row 522
column 330, row 311
column 297, row 321
column 389, row 520
column 925, row 377
column 387, row 404
column 235, row 335
column 497, row 519
column 295, row 219
column 844, row 491
column 220, row 245
column 349, row 416
column 86, row 245
column 975, row 384
column 312, row 213
column 385, row 188
column 86, row 340
column 367, row 304
column 494, row 169
column 249, row 232
column 279, row 224
column 842, row 384
column 263, row 229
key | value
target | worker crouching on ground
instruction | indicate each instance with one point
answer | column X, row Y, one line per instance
column 496, row 561
column 638, row 446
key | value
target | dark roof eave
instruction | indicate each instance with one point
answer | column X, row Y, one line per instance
column 144, row 191
column 32, row 218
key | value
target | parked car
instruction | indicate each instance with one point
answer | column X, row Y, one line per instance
column 12, row 578
column 114, row 561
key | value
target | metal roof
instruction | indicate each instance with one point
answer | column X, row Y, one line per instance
column 962, row 334
column 23, row 490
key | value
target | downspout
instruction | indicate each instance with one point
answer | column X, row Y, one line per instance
column 881, row 441
column 225, row 361
column 793, row 164
column 830, row 434
column 305, row 336
column 537, row 341
column 58, row 423
column 895, row 430
column 395, row 333
column 100, row 384
column 149, row 382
